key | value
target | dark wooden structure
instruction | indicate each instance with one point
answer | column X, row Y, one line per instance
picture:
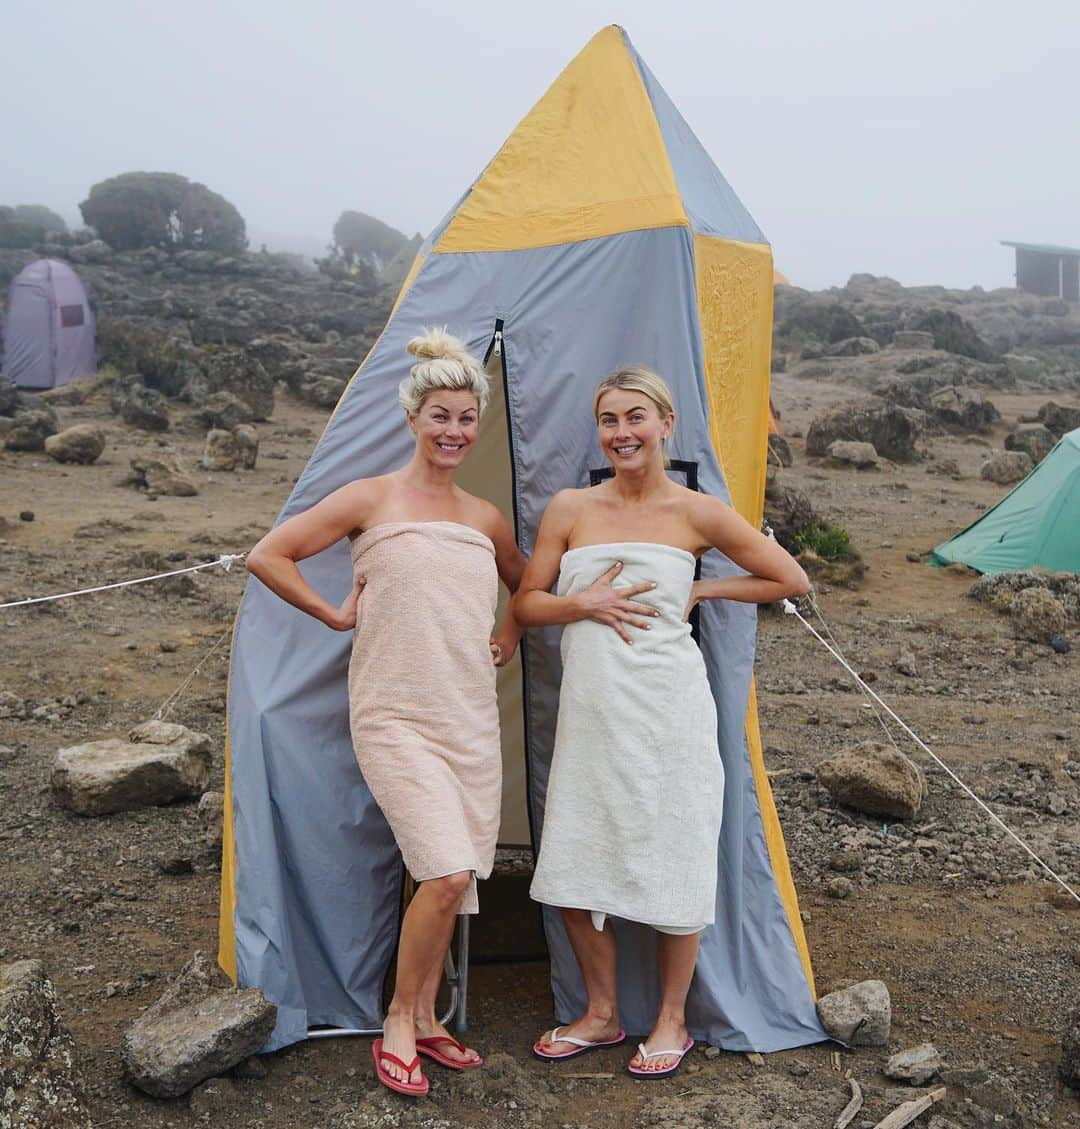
column 1047, row 270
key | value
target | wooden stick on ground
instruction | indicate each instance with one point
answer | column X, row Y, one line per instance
column 847, row 1116
column 905, row 1114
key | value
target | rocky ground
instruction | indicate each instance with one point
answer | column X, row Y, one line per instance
column 981, row 956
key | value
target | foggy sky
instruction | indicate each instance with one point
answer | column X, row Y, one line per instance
column 904, row 142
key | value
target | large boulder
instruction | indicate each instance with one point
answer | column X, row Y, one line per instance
column 1006, row 467
column 876, row 779
column 82, row 443
column 233, row 370
column 912, row 339
column 1037, row 614
column 142, row 407
column 860, row 1015
column 41, row 1085
column 891, row 429
column 1035, row 439
column 1069, row 1067
column 953, row 334
column 788, row 511
column 222, row 411
column 161, row 762
column 853, row 347
column 849, row 452
column 163, row 473
column 962, row 409
column 1056, row 418
column 247, row 444
column 324, row 392
column 30, row 430
column 199, row 1028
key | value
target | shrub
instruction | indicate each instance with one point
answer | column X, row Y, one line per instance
column 363, row 238
column 830, row 542
column 15, row 235
column 42, row 216
column 161, row 209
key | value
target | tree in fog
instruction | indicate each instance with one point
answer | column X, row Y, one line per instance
column 162, row 209
column 40, row 216
column 362, row 238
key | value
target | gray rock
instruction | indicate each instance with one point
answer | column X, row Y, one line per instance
column 212, row 817
column 82, row 443
column 962, row 409
column 1037, row 614
column 915, row 1065
column 780, row 450
column 96, row 251
column 9, row 397
column 163, row 473
column 912, row 339
column 1022, row 367
column 221, row 451
column 30, row 430
column 891, row 429
column 222, row 410
column 233, row 370
column 1057, row 419
column 247, row 444
column 1036, row 440
column 1069, row 1067
column 853, row 347
column 839, row 887
column 324, row 392
column 849, row 452
column 41, row 1085
column 160, row 763
column 1006, row 467
column 876, row 779
column 142, row 407
column 905, row 664
column 860, row 1015
column 199, row 1028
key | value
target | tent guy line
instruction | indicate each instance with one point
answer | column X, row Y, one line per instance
column 225, row 561
column 791, row 609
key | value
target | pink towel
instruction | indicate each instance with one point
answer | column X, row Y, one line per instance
column 423, row 710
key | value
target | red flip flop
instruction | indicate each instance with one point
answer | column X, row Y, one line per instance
column 414, row 1089
column 427, row 1047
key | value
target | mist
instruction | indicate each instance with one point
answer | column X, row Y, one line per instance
column 904, row 142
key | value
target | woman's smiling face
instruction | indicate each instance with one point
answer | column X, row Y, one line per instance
column 446, row 426
column 631, row 430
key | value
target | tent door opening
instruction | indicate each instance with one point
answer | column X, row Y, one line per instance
column 510, row 927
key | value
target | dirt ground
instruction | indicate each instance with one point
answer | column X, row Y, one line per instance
column 979, row 956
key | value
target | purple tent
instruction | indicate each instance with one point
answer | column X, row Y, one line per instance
column 49, row 334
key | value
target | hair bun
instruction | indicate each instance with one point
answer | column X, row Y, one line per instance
column 436, row 344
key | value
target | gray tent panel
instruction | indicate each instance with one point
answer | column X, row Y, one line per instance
column 317, row 873
column 49, row 329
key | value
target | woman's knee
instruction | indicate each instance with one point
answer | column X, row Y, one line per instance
column 450, row 888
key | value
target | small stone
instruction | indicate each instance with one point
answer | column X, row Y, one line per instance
column 915, row 1065
column 712, row 1052
column 839, row 887
column 167, row 646
column 876, row 779
column 211, row 816
column 1060, row 646
column 846, row 861
column 860, row 1015
column 904, row 663
column 797, row 1068
column 26, row 515
column 914, row 558
column 175, row 865
column 1056, row 804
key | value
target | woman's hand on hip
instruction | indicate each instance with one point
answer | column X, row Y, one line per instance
column 346, row 616
column 697, row 594
column 616, row 607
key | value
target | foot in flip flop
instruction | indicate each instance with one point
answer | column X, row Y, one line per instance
column 436, row 1043
column 662, row 1053
column 397, row 1064
column 586, row 1034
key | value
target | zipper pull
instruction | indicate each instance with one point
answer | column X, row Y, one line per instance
column 496, row 348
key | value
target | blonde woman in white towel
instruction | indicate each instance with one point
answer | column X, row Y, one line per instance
column 632, row 817
column 427, row 561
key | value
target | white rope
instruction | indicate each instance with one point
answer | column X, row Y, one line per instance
column 171, row 700
column 226, row 562
column 790, row 609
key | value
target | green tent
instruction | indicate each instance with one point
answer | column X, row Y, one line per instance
column 1035, row 525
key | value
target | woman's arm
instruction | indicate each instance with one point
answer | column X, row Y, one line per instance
column 510, row 561
column 273, row 560
column 535, row 606
column 774, row 573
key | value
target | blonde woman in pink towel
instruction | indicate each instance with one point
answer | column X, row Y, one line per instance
column 427, row 561
column 635, row 793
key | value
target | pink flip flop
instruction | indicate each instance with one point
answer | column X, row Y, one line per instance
column 414, row 1089
column 581, row 1046
column 637, row 1072
column 427, row 1046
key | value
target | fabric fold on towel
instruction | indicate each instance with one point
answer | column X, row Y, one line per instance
column 422, row 704
column 635, row 795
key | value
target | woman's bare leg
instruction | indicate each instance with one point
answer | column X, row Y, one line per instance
column 676, row 957
column 595, row 952
column 427, row 1019
column 425, row 934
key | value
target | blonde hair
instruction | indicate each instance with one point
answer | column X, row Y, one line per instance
column 444, row 363
column 637, row 378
